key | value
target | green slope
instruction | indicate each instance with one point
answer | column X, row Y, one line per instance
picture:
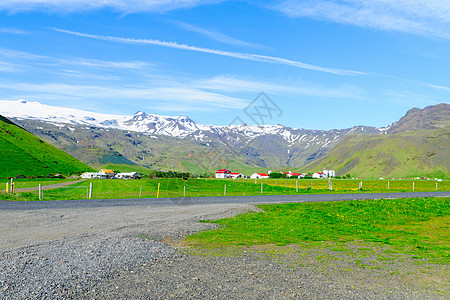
column 410, row 154
column 24, row 153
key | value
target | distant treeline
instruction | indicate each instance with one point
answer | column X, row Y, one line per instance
column 169, row 174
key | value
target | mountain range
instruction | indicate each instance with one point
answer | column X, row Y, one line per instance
column 179, row 143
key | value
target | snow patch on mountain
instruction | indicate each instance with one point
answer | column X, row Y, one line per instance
column 154, row 124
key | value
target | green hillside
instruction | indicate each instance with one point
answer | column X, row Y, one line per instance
column 410, row 154
column 24, row 153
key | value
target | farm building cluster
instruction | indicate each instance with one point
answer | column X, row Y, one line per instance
column 110, row 174
column 225, row 173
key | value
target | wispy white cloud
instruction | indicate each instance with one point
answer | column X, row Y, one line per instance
column 234, row 84
column 410, row 99
column 173, row 96
column 217, row 36
column 12, row 31
column 95, row 63
column 20, row 58
column 15, row 54
column 125, row 6
column 429, row 18
column 239, row 55
column 7, row 67
column 440, row 87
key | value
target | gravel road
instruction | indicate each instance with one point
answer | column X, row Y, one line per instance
column 122, row 252
column 95, row 203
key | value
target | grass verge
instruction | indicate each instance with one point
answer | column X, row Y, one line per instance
column 416, row 227
column 174, row 188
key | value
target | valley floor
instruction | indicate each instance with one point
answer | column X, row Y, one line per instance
column 123, row 252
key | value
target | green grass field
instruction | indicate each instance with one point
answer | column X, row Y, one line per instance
column 418, row 227
column 170, row 188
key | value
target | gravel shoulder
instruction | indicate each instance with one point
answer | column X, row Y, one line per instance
column 120, row 253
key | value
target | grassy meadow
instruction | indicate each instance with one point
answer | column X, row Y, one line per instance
column 26, row 154
column 417, row 227
column 170, row 188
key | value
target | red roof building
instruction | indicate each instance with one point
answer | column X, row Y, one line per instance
column 223, row 173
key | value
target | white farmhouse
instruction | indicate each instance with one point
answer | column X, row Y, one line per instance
column 259, row 175
column 129, row 175
column 237, row 175
column 317, row 175
column 223, row 173
column 105, row 173
column 329, row 173
column 90, row 175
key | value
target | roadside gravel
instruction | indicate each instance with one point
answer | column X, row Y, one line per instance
column 121, row 253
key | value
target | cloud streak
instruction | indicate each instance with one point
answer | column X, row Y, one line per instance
column 238, row 55
column 12, row 31
column 19, row 57
column 430, row 18
column 173, row 96
column 217, row 36
column 125, row 6
column 298, row 88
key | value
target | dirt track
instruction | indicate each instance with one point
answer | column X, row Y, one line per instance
column 47, row 187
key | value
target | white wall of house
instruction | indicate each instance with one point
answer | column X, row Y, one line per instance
column 329, row 173
column 133, row 175
column 90, row 175
column 223, row 175
column 256, row 175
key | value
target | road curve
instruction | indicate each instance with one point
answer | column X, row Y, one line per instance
column 94, row 203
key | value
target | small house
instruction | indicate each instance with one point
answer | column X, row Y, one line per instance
column 105, row 173
column 317, row 175
column 290, row 174
column 223, row 173
column 90, row 175
column 237, row 175
column 329, row 173
column 259, row 175
column 129, row 175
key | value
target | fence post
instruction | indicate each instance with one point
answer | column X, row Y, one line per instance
column 7, row 187
column 184, row 191
column 261, row 187
column 388, row 185
column 413, row 186
column 225, row 190
column 330, row 185
column 311, row 184
column 140, row 192
column 296, row 186
column 90, row 190
column 157, row 193
column 40, row 192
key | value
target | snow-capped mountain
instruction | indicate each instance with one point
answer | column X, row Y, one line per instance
column 139, row 122
column 179, row 126
column 179, row 139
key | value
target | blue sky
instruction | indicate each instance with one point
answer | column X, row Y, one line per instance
column 326, row 64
